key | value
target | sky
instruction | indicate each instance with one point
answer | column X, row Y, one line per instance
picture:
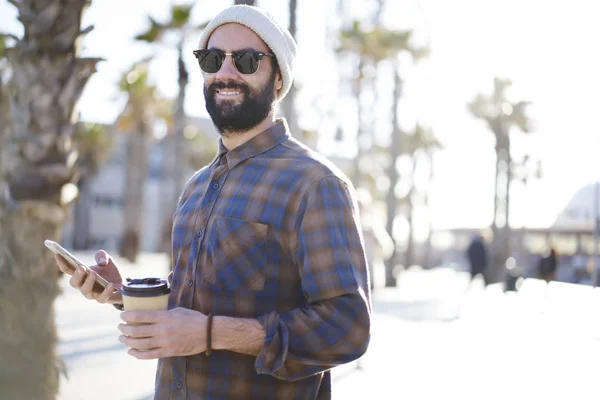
column 545, row 48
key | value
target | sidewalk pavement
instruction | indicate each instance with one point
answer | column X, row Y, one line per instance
column 431, row 339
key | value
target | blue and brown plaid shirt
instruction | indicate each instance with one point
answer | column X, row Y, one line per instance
column 270, row 231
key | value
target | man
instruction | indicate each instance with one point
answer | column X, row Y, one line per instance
column 270, row 288
column 478, row 258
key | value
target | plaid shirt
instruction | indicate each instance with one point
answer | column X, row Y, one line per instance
column 270, row 231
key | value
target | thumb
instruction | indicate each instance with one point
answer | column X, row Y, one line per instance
column 102, row 258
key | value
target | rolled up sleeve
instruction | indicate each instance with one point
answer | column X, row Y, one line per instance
column 334, row 327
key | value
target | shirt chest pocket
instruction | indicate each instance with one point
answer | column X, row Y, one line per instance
column 237, row 254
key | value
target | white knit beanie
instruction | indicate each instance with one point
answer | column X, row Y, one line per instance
column 279, row 39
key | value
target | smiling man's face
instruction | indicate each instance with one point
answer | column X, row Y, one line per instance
column 238, row 102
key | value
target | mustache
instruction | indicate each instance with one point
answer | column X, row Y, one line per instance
column 227, row 85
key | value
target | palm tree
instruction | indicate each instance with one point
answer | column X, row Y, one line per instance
column 94, row 142
column 395, row 43
column 418, row 145
column 289, row 103
column 48, row 77
column 353, row 42
column 142, row 107
column 391, row 201
column 501, row 116
column 173, row 170
column 370, row 47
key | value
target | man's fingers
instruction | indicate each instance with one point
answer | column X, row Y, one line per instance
column 62, row 265
column 138, row 331
column 146, row 355
column 106, row 294
column 139, row 343
column 88, row 285
column 77, row 278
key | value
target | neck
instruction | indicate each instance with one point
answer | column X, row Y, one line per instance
column 231, row 140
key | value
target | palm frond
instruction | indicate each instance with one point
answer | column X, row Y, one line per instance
column 519, row 116
column 180, row 15
column 154, row 32
column 498, row 112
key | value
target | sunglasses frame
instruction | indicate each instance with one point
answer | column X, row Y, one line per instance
column 260, row 54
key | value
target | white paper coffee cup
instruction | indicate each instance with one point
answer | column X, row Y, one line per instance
column 148, row 294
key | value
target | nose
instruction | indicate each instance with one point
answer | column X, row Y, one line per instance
column 228, row 72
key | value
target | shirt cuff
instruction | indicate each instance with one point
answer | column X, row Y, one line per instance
column 271, row 357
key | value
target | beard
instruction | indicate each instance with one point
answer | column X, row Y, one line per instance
column 229, row 117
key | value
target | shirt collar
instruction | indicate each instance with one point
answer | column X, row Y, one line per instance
column 259, row 144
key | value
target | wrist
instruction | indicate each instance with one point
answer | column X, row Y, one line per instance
column 237, row 334
column 224, row 331
column 219, row 334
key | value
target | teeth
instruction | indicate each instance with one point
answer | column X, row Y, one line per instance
column 229, row 93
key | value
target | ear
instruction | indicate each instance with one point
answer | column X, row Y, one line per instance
column 278, row 80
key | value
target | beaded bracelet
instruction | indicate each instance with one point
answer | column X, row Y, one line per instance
column 209, row 334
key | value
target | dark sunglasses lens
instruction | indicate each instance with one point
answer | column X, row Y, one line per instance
column 210, row 61
column 246, row 63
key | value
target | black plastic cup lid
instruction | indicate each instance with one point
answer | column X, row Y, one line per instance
column 147, row 287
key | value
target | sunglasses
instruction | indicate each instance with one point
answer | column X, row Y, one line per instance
column 246, row 61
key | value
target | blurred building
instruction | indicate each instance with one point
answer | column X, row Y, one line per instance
column 579, row 213
column 572, row 234
column 97, row 218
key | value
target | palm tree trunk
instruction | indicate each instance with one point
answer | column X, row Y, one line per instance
column 506, row 234
column 496, row 190
column 428, row 248
column 358, row 90
column 501, row 245
column 409, row 256
column 81, row 216
column 39, row 160
column 391, row 200
column 288, row 105
column 508, row 185
column 29, row 366
column 138, row 149
column 174, row 171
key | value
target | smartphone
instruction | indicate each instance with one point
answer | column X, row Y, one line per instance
column 73, row 262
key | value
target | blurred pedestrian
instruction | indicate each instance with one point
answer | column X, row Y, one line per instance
column 547, row 265
column 477, row 256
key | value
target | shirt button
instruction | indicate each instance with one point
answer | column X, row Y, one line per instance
column 179, row 385
column 215, row 186
column 200, row 233
column 190, row 282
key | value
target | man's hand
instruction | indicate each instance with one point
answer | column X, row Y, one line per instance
column 104, row 267
column 172, row 333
